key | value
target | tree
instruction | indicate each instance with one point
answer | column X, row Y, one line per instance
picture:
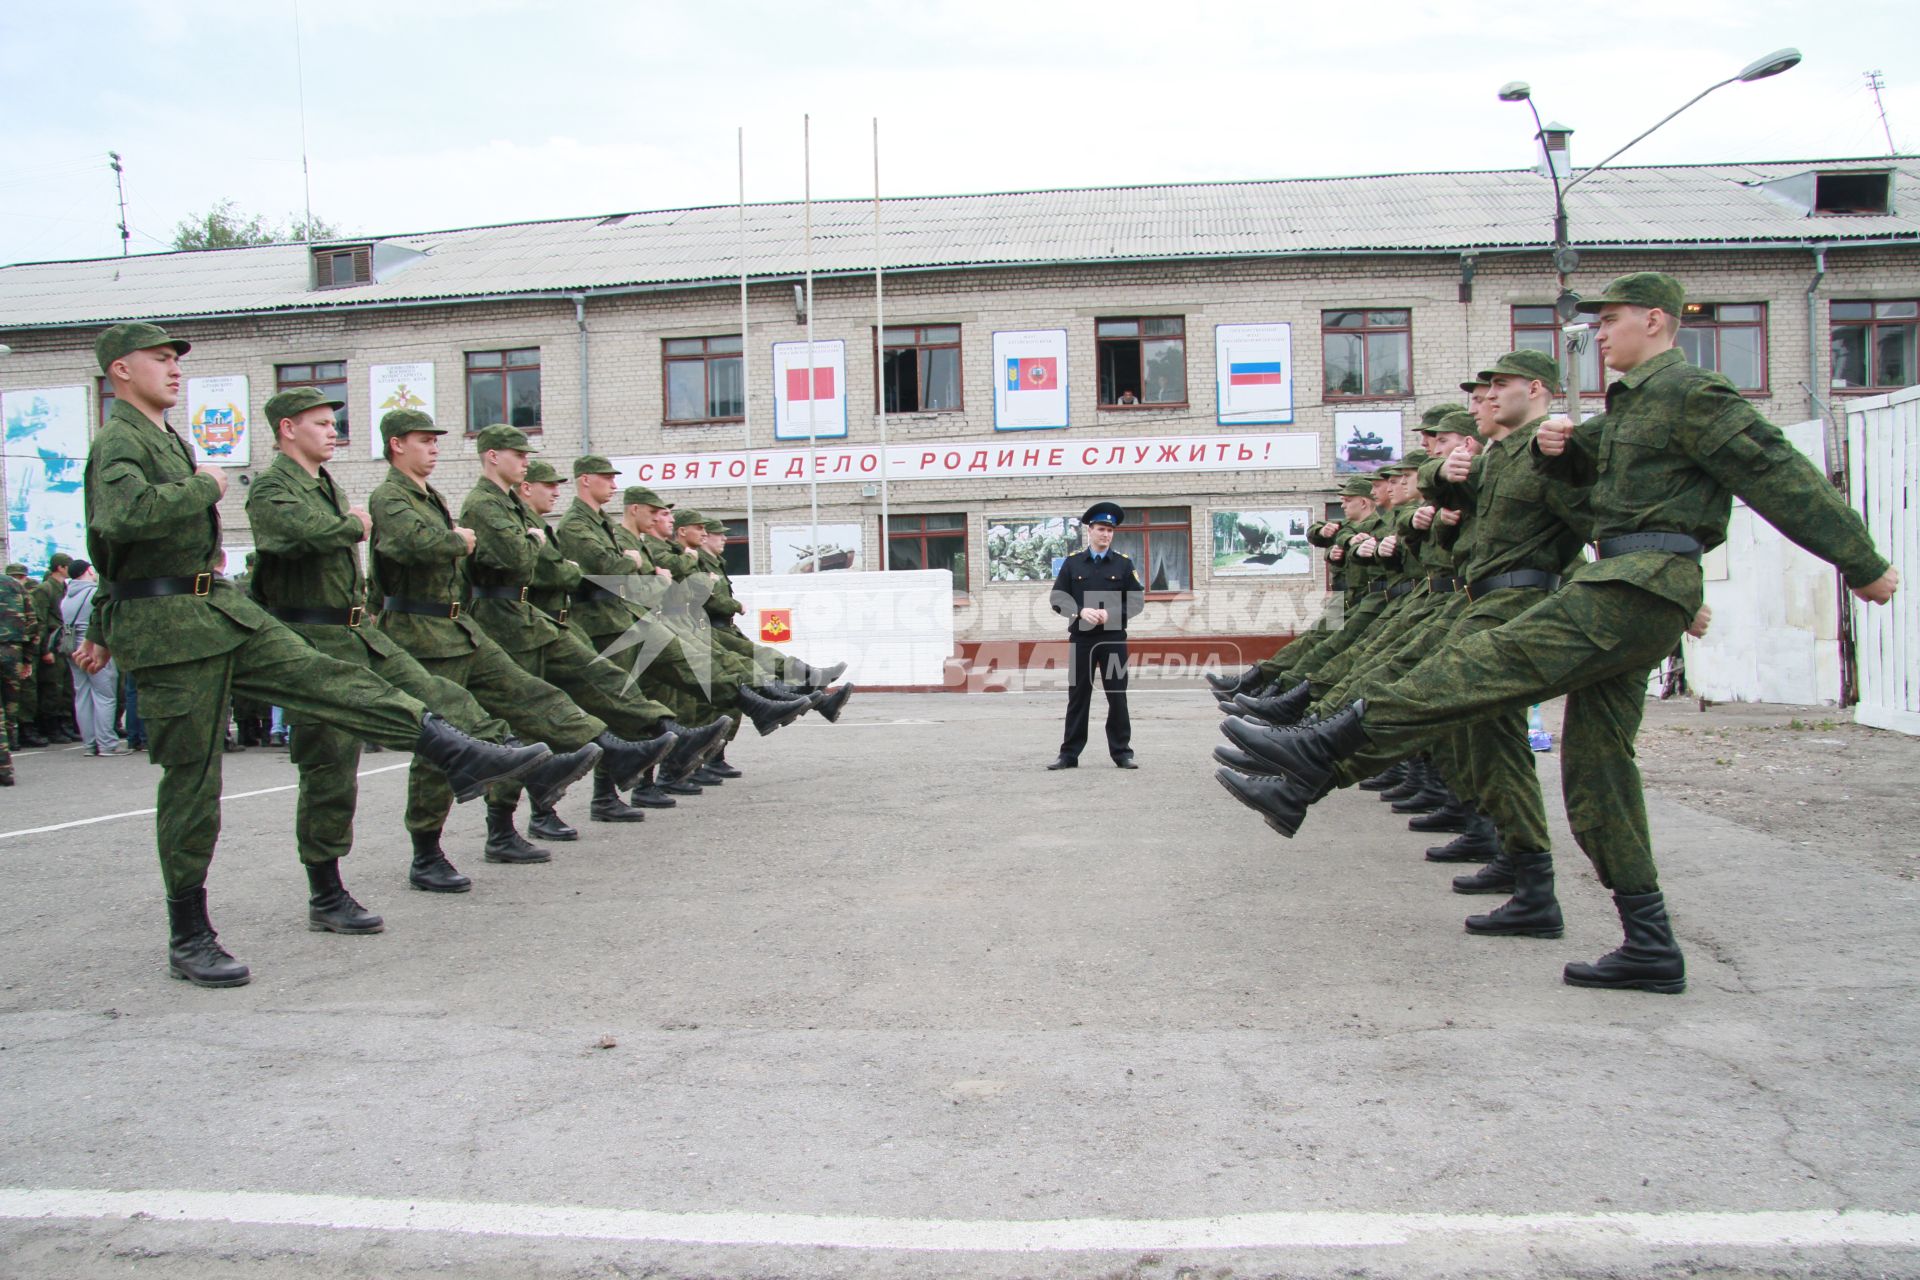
column 223, row 227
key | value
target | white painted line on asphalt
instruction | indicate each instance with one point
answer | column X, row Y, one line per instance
column 1761, row 1229
column 140, row 813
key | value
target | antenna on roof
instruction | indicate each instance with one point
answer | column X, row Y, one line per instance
column 120, row 185
column 1877, row 82
column 300, row 79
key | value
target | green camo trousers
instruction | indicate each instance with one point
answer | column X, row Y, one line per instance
column 1595, row 643
column 596, row 685
column 185, row 706
column 329, row 758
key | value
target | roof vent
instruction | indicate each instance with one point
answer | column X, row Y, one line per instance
column 1853, row 191
column 614, row 220
column 1556, row 155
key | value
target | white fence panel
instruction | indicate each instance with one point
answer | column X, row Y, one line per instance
column 892, row 628
column 1883, row 444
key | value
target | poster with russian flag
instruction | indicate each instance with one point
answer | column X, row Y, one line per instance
column 1254, row 372
column 810, row 406
column 1030, row 387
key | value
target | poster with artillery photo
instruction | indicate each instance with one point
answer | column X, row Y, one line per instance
column 804, row 548
column 1029, row 548
column 1261, row 542
column 1365, row 439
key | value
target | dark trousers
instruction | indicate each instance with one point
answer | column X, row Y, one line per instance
column 1095, row 652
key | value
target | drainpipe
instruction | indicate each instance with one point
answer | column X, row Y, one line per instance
column 1830, row 452
column 580, row 321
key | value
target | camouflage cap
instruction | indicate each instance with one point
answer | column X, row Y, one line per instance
column 1640, row 289
column 640, row 495
column 502, row 436
column 1473, row 386
column 400, row 422
column 713, row 525
column 542, row 473
column 58, row 560
column 137, row 336
column 1437, row 412
column 1459, row 424
column 1527, row 364
column 1388, row 470
column 686, row 516
column 1415, row 459
column 291, row 404
column 1357, row 487
column 593, row 464
column 15, row 569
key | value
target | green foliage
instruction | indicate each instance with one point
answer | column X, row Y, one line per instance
column 223, row 227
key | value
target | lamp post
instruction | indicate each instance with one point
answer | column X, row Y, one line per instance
column 1565, row 257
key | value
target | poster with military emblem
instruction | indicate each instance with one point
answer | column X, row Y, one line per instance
column 217, row 420
column 46, row 456
column 396, row 386
column 1030, row 380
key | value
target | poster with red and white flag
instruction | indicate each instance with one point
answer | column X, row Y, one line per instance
column 1030, row 383
column 810, row 406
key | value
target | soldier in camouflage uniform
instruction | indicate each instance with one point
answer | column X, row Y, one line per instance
column 1662, row 466
column 53, row 684
column 191, row 640
column 13, row 633
column 25, row 716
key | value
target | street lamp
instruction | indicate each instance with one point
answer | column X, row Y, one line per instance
column 1565, row 257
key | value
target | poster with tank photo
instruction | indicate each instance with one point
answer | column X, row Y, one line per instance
column 1269, row 543
column 1365, row 439
column 796, row 549
column 1029, row 548
column 46, row 458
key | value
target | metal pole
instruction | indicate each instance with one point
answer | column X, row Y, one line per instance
column 880, row 332
column 746, row 384
column 813, row 439
column 300, row 79
column 120, row 185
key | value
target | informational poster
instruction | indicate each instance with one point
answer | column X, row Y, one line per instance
column 396, row 386
column 1254, row 373
column 218, row 420
column 1365, row 439
column 1267, row 543
column 1030, row 380
column 1029, row 548
column 797, row 550
column 46, row 458
column 810, row 407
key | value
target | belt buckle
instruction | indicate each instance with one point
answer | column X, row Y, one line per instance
column 202, row 584
column 523, row 595
column 356, row 615
column 562, row 619
column 453, row 610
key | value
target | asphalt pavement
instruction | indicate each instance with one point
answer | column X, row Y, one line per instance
column 902, row 1003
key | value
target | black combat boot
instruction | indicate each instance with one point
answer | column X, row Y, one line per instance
column 823, row 677
column 1386, row 780
column 1414, row 779
column 431, row 870
column 1283, row 801
column 626, row 761
column 547, row 781
column 679, row 786
column 693, row 748
column 1230, row 685
column 768, row 714
column 1433, row 795
column 607, row 804
column 332, row 909
column 30, row 736
column 194, row 951
column 829, row 704
column 1480, row 842
column 1240, row 762
column 1532, row 911
column 1495, row 877
column 650, row 794
column 1283, row 710
column 549, row 825
column 718, row 763
column 706, row 777
column 1649, row 959
column 1454, row 815
column 505, row 843
column 1307, row 756
column 470, row 764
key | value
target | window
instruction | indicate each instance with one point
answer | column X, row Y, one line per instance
column 1728, row 338
column 503, row 386
column 703, row 379
column 921, row 365
column 737, row 553
column 929, row 542
column 1142, row 361
column 330, row 379
column 1367, row 353
column 337, row 268
column 1855, row 192
column 1874, row 345
column 1159, row 541
column 105, row 386
column 1538, row 329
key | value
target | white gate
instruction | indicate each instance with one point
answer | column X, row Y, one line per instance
column 1883, row 464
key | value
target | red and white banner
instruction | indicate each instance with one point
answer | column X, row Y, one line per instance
column 798, row 415
column 972, row 459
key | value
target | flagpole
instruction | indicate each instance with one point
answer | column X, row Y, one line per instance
column 813, row 438
column 746, row 383
column 880, row 333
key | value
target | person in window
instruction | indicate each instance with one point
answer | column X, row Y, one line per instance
column 1098, row 590
column 1127, row 397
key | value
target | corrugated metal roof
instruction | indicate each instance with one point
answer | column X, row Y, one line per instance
column 1705, row 205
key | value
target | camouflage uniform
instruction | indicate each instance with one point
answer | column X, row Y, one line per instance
column 13, row 630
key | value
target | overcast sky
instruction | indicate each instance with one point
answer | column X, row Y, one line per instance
column 424, row 114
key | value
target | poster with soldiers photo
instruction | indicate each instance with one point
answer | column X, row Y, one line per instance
column 1029, row 548
column 1365, row 440
column 1261, row 542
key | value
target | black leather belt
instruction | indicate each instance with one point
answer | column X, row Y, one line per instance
column 322, row 617
column 143, row 588
column 1399, row 589
column 1440, row 584
column 1376, row 587
column 425, row 608
column 500, row 593
column 593, row 591
column 1534, row 578
column 1677, row 543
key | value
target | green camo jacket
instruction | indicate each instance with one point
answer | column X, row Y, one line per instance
column 309, row 555
column 1523, row 518
column 590, row 538
column 505, row 554
column 417, row 554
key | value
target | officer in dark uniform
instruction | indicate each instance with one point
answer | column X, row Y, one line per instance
column 1098, row 590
